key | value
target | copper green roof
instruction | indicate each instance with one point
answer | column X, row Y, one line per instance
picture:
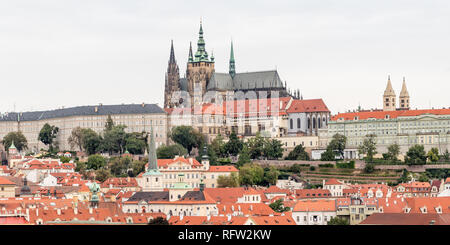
column 152, row 159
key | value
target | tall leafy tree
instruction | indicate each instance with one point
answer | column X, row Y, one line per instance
column 271, row 176
column 337, row 144
column 76, row 138
column 91, row 141
column 393, row 151
column 256, row 146
column 48, row 134
column 170, row 151
column 114, row 140
column 109, row 123
column 234, row 145
column 231, row 180
column 135, row 143
column 188, row 137
column 95, row 162
column 416, row 155
column 251, row 174
column 217, row 145
column 338, row 221
column 244, row 156
column 433, row 154
column 273, row 149
column 20, row 141
column 368, row 147
column 298, row 153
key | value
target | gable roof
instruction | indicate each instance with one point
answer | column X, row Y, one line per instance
column 83, row 111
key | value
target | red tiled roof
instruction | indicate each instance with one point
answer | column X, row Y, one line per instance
column 333, row 182
column 315, row 205
column 225, row 168
column 313, row 105
column 4, row 181
column 349, row 116
column 312, row 193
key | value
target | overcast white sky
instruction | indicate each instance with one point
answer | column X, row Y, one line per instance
column 68, row 53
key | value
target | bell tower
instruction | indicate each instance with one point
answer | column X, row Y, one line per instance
column 389, row 97
column 404, row 97
column 199, row 70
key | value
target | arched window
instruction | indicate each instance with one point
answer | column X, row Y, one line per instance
column 309, row 123
column 291, row 123
column 298, row 122
column 314, row 123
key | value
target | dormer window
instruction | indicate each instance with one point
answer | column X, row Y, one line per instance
column 387, row 117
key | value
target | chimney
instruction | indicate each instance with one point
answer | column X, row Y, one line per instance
column 75, row 210
column 143, row 104
column 208, row 217
column 181, row 216
column 90, row 210
column 58, row 211
column 251, row 207
column 37, row 211
column 96, row 109
column 229, row 217
column 190, row 161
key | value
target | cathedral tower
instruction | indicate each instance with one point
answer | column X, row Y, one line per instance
column 404, row 97
column 172, row 80
column 199, row 70
column 389, row 97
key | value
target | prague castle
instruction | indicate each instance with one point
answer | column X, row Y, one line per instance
column 201, row 78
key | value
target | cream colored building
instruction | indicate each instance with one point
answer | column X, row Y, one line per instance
column 7, row 188
column 137, row 118
column 194, row 173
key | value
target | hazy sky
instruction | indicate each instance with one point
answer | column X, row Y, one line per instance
column 68, row 53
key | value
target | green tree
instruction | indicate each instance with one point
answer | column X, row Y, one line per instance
column 328, row 155
column 91, row 141
column 446, row 155
column 217, row 145
column 20, row 142
column 76, row 138
column 298, row 153
column 95, row 162
column 337, row 144
column 433, row 154
column 114, row 140
column 170, row 151
column 119, row 166
column 251, row 174
column 135, row 143
column 368, row 147
column 231, row 180
column 138, row 167
column 244, row 156
column 188, row 137
column 278, row 206
column 271, row 176
column 48, row 134
column 256, row 146
column 416, row 155
column 338, row 221
column 273, row 149
column 234, row 145
column 295, row 168
column 64, row 159
column 102, row 174
column 369, row 168
column 109, row 123
column 158, row 221
column 393, row 151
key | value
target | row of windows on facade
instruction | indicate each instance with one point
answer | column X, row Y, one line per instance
column 377, row 125
column 319, row 123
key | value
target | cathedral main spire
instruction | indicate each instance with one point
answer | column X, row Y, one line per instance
column 201, row 54
column 232, row 69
